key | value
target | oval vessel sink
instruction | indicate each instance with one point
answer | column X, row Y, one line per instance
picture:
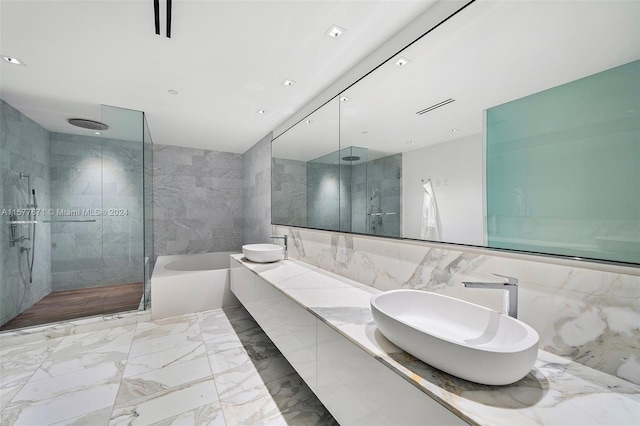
column 463, row 339
column 263, row 253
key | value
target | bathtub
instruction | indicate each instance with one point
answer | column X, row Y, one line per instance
column 190, row 283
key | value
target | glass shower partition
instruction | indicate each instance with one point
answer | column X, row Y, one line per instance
column 149, row 250
column 76, row 215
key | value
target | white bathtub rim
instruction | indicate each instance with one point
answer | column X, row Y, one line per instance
column 160, row 271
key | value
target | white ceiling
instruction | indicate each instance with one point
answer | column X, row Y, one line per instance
column 227, row 59
column 492, row 52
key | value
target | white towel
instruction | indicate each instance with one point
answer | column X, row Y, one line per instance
column 431, row 227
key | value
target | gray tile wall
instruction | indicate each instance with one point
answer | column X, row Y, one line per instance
column 289, row 192
column 198, row 200
column 24, row 148
column 257, row 192
column 96, row 173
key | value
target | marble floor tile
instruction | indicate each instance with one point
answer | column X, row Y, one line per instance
column 165, row 405
column 223, row 342
column 87, row 360
column 163, row 379
column 7, row 394
column 78, row 381
column 227, row 360
column 61, row 407
column 168, row 357
column 167, row 326
column 207, row 415
column 289, row 391
column 234, row 313
column 94, row 418
column 248, row 407
column 162, row 343
column 257, row 344
column 95, row 341
column 18, row 363
column 212, row 368
column 252, row 375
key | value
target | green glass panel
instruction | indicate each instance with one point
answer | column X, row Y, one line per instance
column 563, row 169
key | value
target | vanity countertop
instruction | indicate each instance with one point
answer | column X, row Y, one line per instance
column 556, row 391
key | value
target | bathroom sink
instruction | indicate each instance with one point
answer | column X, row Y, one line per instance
column 263, row 253
column 463, row 339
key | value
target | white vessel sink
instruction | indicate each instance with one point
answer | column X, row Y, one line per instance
column 263, row 253
column 465, row 340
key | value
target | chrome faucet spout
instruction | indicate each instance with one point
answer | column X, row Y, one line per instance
column 510, row 301
column 285, row 239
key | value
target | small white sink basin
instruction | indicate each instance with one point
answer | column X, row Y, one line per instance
column 263, row 253
column 463, row 339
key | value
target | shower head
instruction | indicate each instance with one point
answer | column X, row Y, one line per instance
column 87, row 124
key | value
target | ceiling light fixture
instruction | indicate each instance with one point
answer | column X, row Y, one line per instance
column 453, row 130
column 173, row 92
column 13, row 60
column 402, row 61
column 308, row 121
column 261, row 111
column 411, row 142
column 288, row 83
column 344, row 99
column 335, row 31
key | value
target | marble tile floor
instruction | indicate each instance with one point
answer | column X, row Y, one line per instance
column 211, row 368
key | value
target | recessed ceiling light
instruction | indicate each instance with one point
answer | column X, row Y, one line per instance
column 401, row 61
column 13, row 60
column 173, row 92
column 308, row 121
column 411, row 142
column 335, row 31
column 261, row 111
column 344, row 99
column 453, row 130
column 288, row 82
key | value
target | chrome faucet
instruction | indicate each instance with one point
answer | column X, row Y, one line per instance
column 510, row 285
column 286, row 245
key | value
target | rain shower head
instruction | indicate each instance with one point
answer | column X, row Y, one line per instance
column 351, row 158
column 87, row 124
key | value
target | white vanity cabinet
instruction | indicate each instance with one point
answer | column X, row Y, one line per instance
column 359, row 390
column 242, row 283
column 289, row 326
column 356, row 388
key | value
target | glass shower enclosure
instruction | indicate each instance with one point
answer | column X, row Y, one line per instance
column 76, row 238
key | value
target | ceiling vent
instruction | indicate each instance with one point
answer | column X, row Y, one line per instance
column 432, row 107
column 87, row 124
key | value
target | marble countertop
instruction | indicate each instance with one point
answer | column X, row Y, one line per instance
column 556, row 391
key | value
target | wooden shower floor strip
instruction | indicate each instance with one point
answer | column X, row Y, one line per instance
column 73, row 304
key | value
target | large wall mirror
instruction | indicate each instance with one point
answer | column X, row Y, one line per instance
column 513, row 125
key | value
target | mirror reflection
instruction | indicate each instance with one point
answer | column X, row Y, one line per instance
column 305, row 181
column 512, row 125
